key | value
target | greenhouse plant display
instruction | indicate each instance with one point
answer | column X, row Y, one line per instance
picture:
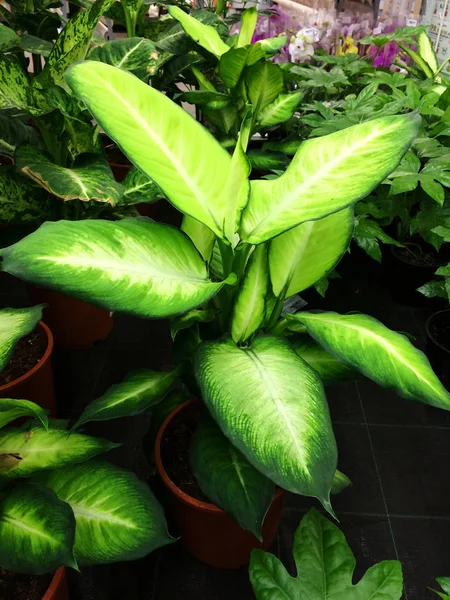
column 325, row 566
column 61, row 506
column 245, row 247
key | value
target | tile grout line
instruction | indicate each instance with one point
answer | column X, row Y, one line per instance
column 380, row 482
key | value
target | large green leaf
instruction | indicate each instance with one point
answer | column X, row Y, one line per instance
column 37, row 531
column 280, row 110
column 383, row 355
column 137, row 55
column 306, row 253
column 249, row 18
column 21, row 201
column 249, row 309
column 137, row 392
column 73, row 43
column 326, row 175
column 141, row 267
column 231, row 66
column 201, row 236
column 264, row 82
column 329, row 368
column 117, row 516
column 426, row 51
column 204, row 35
column 227, row 478
column 39, row 449
column 14, row 132
column 162, row 139
column 140, row 188
column 325, row 566
column 13, row 409
column 93, row 180
column 271, row 406
column 14, row 86
column 8, row 38
column 15, row 323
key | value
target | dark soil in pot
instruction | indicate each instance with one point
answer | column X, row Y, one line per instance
column 16, row 586
column 411, row 267
column 438, row 344
column 28, row 352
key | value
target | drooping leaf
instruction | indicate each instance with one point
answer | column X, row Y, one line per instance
column 140, row 188
column 272, row 45
column 326, row 175
column 14, row 132
column 91, row 181
column 141, row 267
column 15, row 323
column 37, row 531
column 13, row 409
column 160, row 138
column 188, row 319
column 137, row 55
column 40, row 449
column 136, row 393
column 72, row 44
column 273, row 409
column 21, row 201
column 117, row 516
column 300, row 257
column 280, row 110
column 383, row 355
column 201, row 236
column 227, row 478
column 264, row 82
column 325, row 566
column 248, row 23
column 329, row 368
column 8, row 38
column 35, row 45
column 204, row 35
column 249, row 309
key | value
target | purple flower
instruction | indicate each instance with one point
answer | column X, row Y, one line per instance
column 384, row 56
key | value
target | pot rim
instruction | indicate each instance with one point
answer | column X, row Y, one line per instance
column 38, row 365
column 55, row 583
column 429, row 334
column 189, row 500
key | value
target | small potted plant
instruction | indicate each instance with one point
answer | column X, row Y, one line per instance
column 26, row 348
column 244, row 248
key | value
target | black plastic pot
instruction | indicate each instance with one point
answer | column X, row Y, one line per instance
column 404, row 273
column 438, row 344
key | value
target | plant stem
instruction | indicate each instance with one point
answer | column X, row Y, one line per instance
column 130, row 21
column 276, row 312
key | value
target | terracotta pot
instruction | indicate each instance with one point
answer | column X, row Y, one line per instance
column 75, row 324
column 57, row 589
column 206, row 530
column 37, row 384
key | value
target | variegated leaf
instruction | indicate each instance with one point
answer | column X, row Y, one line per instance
column 15, row 323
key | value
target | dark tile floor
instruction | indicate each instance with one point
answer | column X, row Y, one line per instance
column 396, row 453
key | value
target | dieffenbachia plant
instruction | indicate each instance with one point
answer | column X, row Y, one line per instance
column 59, row 504
column 325, row 566
column 243, row 249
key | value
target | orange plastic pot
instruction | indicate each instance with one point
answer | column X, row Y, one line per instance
column 206, row 530
column 75, row 324
column 37, row 384
column 57, row 589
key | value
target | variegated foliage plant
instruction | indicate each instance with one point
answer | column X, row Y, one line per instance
column 243, row 249
column 59, row 503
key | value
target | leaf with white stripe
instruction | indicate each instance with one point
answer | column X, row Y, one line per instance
column 271, row 405
column 141, row 267
column 136, row 55
column 204, row 35
column 300, row 257
column 135, row 394
column 38, row 449
column 117, row 516
column 92, row 180
column 161, row 139
column 249, row 309
column 227, row 478
column 426, row 50
column 326, row 175
column 11, row 409
column 140, row 188
column 37, row 531
column 15, row 323
column 280, row 110
column 385, row 356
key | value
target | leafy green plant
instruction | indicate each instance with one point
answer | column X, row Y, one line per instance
column 59, row 504
column 325, row 566
column 245, row 247
column 444, row 582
